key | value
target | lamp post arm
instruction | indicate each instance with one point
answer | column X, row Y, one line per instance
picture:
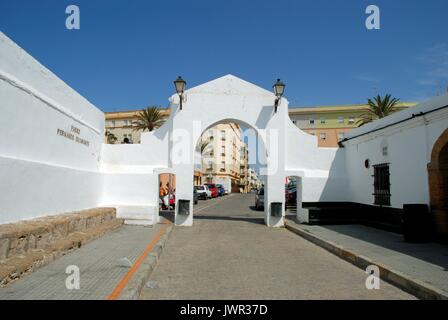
column 277, row 100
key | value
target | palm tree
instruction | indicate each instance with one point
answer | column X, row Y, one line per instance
column 379, row 108
column 149, row 119
column 204, row 146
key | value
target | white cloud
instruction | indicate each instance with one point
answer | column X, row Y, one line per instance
column 435, row 60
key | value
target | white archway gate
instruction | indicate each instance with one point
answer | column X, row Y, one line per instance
column 228, row 99
column 131, row 171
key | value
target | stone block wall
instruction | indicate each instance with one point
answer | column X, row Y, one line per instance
column 27, row 245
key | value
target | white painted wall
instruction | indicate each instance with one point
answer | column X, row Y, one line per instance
column 322, row 169
column 409, row 146
column 41, row 172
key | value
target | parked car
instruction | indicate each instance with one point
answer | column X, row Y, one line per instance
column 195, row 196
column 213, row 189
column 203, row 192
column 226, row 182
column 259, row 199
column 172, row 201
column 221, row 190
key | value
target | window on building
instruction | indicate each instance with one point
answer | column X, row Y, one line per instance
column 322, row 120
column 311, row 120
column 223, row 150
column 351, row 120
column 223, row 134
column 113, row 123
column 323, row 136
column 223, row 165
column 126, row 122
column 340, row 136
column 127, row 138
column 341, row 119
column 381, row 184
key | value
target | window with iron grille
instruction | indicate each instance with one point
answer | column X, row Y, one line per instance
column 381, row 184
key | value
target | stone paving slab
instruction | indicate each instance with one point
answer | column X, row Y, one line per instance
column 425, row 262
column 100, row 271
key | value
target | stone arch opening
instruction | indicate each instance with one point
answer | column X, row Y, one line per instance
column 221, row 139
column 438, row 186
column 215, row 146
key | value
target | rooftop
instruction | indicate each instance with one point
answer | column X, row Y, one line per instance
column 130, row 113
column 338, row 108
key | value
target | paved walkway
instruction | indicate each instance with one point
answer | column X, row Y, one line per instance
column 427, row 262
column 99, row 265
column 230, row 254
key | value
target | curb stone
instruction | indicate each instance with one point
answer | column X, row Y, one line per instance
column 416, row 287
column 135, row 286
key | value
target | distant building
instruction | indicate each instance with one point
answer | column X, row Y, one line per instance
column 254, row 181
column 119, row 123
column 331, row 123
column 226, row 156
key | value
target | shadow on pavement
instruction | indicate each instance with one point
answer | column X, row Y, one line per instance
column 433, row 253
column 231, row 218
column 169, row 215
column 430, row 252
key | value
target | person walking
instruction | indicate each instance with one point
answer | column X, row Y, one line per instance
column 162, row 195
column 167, row 195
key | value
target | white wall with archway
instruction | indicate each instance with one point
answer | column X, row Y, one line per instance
column 289, row 151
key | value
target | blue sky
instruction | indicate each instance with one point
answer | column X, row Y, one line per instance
column 127, row 53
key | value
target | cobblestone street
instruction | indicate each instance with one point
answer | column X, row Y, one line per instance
column 230, row 254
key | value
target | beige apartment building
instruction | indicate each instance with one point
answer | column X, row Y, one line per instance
column 331, row 123
column 120, row 125
column 226, row 157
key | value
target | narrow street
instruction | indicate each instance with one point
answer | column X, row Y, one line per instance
column 230, row 254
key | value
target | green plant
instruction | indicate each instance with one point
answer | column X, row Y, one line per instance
column 378, row 108
column 149, row 119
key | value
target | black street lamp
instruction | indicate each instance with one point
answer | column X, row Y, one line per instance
column 279, row 89
column 180, row 88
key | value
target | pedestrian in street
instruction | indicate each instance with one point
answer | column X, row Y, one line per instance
column 162, row 195
column 166, row 198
